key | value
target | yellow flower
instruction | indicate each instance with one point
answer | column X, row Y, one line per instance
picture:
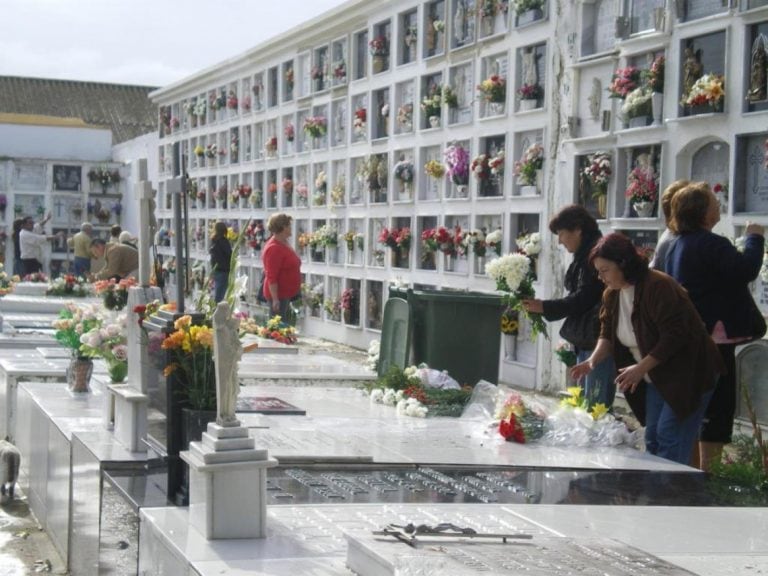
column 202, row 335
column 574, row 398
column 574, row 391
column 231, row 235
column 168, row 370
column 182, row 322
column 174, row 340
column 598, row 411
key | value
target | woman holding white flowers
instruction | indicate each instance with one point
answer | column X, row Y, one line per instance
column 578, row 232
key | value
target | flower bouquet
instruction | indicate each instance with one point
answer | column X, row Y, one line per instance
column 479, row 167
column 514, row 275
column 199, row 151
column 379, row 46
column 637, row 103
column 190, row 350
column 274, row 329
column 327, row 235
column 655, row 75
column 496, row 163
column 642, row 186
column 531, row 161
column 404, row 172
column 566, row 354
column 530, row 92
column 289, row 132
column 340, row 70
column 493, row 89
column 315, row 126
column 431, row 104
column 74, row 321
column 332, row 307
column 270, row 146
column 109, row 342
column 522, row 6
column 598, row 172
column 359, row 121
column 624, row 81
column 449, row 96
column 429, row 243
column 529, row 244
column 457, row 164
column 405, row 117
column 434, row 169
column 518, row 422
column 706, row 91
column 35, row 278
column 446, row 241
column 232, row 101
column 475, row 240
column 104, row 176
column 68, row 285
column 211, row 151
column 6, row 282
column 396, row 238
column 493, row 240
column 114, row 294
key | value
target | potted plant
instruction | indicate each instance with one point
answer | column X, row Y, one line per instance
column 642, row 190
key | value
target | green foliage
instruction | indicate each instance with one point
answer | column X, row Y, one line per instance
column 396, row 379
column 743, row 464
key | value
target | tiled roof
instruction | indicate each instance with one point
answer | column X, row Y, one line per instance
column 125, row 109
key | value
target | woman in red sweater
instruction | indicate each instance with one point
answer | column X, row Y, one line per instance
column 282, row 276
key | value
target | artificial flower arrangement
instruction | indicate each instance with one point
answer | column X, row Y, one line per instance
column 327, row 235
column 287, row 185
column 317, row 72
column 74, row 321
column 457, row 164
column 529, row 244
column 256, row 197
column 439, row 25
column 598, row 172
column 434, row 169
column 359, row 121
column 274, row 329
column 405, row 116
column 332, row 306
column 199, row 151
column 338, row 192
column 642, row 186
column 396, row 238
column 217, row 101
column 706, row 91
column 479, row 167
column 655, row 75
column 290, row 133
column 114, row 293
column 493, row 88
column 637, row 103
column 404, row 171
column 244, row 190
column 449, row 96
column 379, row 46
column 35, row 278
column 431, row 104
column 221, row 192
column 232, row 101
column 315, row 126
column 409, row 392
column 340, row 70
column 489, row 8
column 349, row 240
column 270, row 146
column 321, row 181
column 302, row 193
column 108, row 341
column 429, row 243
column 104, row 176
column 303, row 240
column 624, row 81
column 234, row 146
column 531, row 161
column 514, row 275
column 6, row 282
column 522, row 6
column 493, row 240
column 254, row 234
column 530, row 92
column 411, row 36
column 289, row 78
column 245, row 103
column 201, row 107
column 68, row 285
column 496, row 163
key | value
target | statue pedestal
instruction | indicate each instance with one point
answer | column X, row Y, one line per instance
column 127, row 414
column 228, row 484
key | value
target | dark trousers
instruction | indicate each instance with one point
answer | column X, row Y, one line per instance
column 31, row 265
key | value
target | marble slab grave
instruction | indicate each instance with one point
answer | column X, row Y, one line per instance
column 37, row 289
column 301, row 370
column 38, row 304
column 267, row 346
column 370, row 555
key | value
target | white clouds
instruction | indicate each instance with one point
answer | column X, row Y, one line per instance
column 146, row 42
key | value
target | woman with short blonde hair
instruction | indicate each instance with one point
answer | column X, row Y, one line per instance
column 282, row 275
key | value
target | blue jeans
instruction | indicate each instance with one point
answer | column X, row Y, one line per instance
column 667, row 436
column 220, row 280
column 600, row 384
column 81, row 266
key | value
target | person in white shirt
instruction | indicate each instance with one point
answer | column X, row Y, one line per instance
column 31, row 245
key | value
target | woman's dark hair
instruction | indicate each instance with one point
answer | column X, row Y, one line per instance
column 115, row 230
column 689, row 208
column 619, row 249
column 574, row 217
column 220, row 230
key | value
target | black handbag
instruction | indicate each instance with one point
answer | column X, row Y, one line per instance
column 260, row 293
column 583, row 330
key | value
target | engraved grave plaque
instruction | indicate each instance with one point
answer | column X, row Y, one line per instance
column 29, row 177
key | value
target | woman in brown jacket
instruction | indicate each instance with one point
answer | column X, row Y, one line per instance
column 659, row 343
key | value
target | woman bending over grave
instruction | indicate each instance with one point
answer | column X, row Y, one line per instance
column 666, row 359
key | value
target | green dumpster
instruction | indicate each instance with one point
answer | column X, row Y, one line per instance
column 458, row 332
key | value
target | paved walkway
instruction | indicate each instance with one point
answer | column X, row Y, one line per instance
column 24, row 547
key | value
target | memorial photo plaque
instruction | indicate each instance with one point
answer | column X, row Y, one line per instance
column 67, row 178
column 268, row 405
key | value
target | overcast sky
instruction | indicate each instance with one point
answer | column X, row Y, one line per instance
column 146, row 42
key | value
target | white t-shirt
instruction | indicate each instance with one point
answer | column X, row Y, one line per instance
column 625, row 333
column 31, row 245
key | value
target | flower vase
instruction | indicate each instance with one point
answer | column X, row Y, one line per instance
column 428, row 261
column 510, row 347
column 118, row 370
column 434, row 121
column 450, row 263
column 602, row 205
column 79, row 375
column 488, row 25
column 350, row 256
column 461, row 190
column 643, row 209
column 219, row 204
column 638, row 122
column 379, row 62
column 405, row 192
column 527, row 104
column 528, row 190
column 657, row 105
column 480, row 265
column 529, row 16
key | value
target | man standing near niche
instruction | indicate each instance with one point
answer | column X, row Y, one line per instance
column 81, row 245
column 31, row 242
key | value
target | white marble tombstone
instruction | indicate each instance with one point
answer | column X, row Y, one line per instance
column 126, row 404
column 227, row 473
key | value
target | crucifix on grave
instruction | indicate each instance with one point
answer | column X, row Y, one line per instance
column 127, row 403
column 228, row 474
